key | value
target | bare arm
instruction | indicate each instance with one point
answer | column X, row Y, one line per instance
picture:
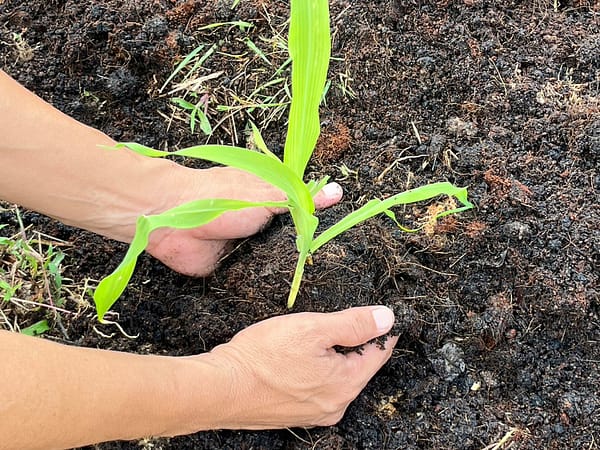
column 55, row 165
column 278, row 373
column 63, row 396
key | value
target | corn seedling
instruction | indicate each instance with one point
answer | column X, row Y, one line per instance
column 309, row 47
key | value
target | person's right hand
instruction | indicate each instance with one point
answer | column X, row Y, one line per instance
column 285, row 371
column 279, row 373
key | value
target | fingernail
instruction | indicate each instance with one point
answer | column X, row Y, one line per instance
column 383, row 317
column 332, row 190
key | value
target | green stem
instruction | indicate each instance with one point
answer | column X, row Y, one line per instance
column 297, row 279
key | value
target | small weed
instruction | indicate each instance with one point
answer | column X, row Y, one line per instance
column 33, row 289
column 205, row 98
column 197, row 112
column 24, row 51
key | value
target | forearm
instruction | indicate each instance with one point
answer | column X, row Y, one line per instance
column 54, row 396
column 53, row 164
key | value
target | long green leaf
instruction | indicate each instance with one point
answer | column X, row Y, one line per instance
column 263, row 166
column 189, row 215
column 376, row 206
column 310, row 47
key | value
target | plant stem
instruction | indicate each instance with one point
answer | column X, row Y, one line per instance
column 297, row 279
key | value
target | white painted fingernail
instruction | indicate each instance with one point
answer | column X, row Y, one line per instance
column 383, row 317
column 332, row 190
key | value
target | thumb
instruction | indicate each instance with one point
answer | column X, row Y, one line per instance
column 331, row 194
column 356, row 326
column 328, row 196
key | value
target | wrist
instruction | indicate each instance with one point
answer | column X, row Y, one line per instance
column 210, row 395
column 55, row 165
column 145, row 186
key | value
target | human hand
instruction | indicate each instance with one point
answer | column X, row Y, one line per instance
column 105, row 191
column 284, row 371
column 196, row 252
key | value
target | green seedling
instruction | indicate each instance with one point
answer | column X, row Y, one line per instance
column 19, row 258
column 197, row 113
column 36, row 329
column 8, row 291
column 309, row 47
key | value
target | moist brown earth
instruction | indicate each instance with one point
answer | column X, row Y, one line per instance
column 497, row 307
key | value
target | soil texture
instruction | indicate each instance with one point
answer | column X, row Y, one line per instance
column 498, row 307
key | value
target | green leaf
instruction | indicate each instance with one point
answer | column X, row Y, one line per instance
column 269, row 169
column 306, row 224
column 309, row 47
column 259, row 142
column 182, row 65
column 9, row 290
column 376, row 206
column 297, row 280
column 183, row 103
column 36, row 329
column 204, row 123
column 190, row 215
column 243, row 26
column 193, row 120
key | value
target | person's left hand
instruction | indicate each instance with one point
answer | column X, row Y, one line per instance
column 196, row 252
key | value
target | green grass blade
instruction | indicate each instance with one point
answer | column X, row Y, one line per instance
column 309, row 47
column 243, row 26
column 190, row 215
column 374, row 207
column 182, row 65
column 259, row 142
column 263, row 166
column 252, row 46
column 36, row 329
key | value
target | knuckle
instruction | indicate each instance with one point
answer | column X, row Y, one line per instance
column 333, row 418
column 357, row 328
column 329, row 412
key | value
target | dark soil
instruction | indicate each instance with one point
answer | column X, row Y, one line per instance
column 498, row 307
